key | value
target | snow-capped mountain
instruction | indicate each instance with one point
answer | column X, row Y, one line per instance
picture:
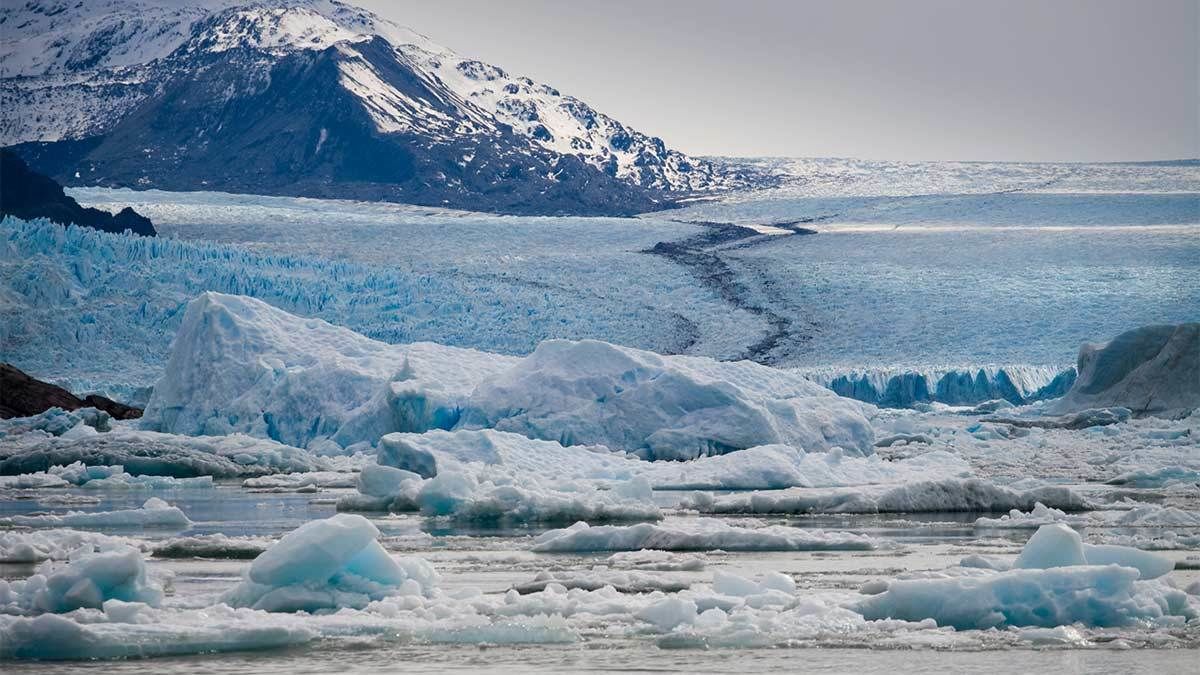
column 311, row 97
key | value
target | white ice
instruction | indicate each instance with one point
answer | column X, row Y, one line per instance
column 705, row 534
column 663, row 407
column 327, row 564
column 155, row 513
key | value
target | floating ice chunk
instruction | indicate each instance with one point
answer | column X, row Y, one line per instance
column 763, row 467
column 702, row 535
column 461, row 497
column 662, row 407
column 326, row 564
column 952, row 494
column 1094, row 596
column 29, row 481
column 668, row 613
column 101, row 478
column 623, row 582
column 296, row 481
column 661, row 561
column 154, row 513
column 1040, row 515
column 376, row 480
column 1149, row 565
column 56, row 422
column 1059, row 546
column 1062, row 635
column 428, row 453
column 53, row 637
column 124, row 481
column 33, row 546
column 1157, row 477
column 217, row 546
column 1054, row 545
column 87, row 581
column 239, row 364
column 77, row 473
column 1153, row 515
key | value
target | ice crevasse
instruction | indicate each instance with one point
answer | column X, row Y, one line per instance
column 240, row 365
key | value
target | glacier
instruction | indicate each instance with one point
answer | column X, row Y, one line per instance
column 956, row 386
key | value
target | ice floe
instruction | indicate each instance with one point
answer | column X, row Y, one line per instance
column 154, row 513
column 149, row 453
column 1056, row 581
column 705, row 534
column 946, row 495
column 33, row 546
column 218, row 546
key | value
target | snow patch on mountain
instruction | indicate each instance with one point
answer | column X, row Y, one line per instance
column 72, row 70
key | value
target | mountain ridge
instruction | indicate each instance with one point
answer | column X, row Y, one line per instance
column 456, row 131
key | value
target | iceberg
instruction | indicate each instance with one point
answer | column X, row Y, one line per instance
column 705, row 534
column 1152, row 370
column 662, row 407
column 240, row 365
column 327, row 564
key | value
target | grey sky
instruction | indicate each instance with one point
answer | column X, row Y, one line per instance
column 1057, row 80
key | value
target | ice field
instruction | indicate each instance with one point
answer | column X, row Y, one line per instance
column 381, row 437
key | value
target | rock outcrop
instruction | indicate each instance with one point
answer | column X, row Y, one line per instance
column 27, row 194
column 23, row 396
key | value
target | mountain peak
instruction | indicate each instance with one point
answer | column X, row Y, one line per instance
column 79, row 71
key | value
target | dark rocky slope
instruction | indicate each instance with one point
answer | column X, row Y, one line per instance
column 22, row 396
column 27, row 194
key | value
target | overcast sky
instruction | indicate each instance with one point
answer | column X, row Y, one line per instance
column 1057, row 80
